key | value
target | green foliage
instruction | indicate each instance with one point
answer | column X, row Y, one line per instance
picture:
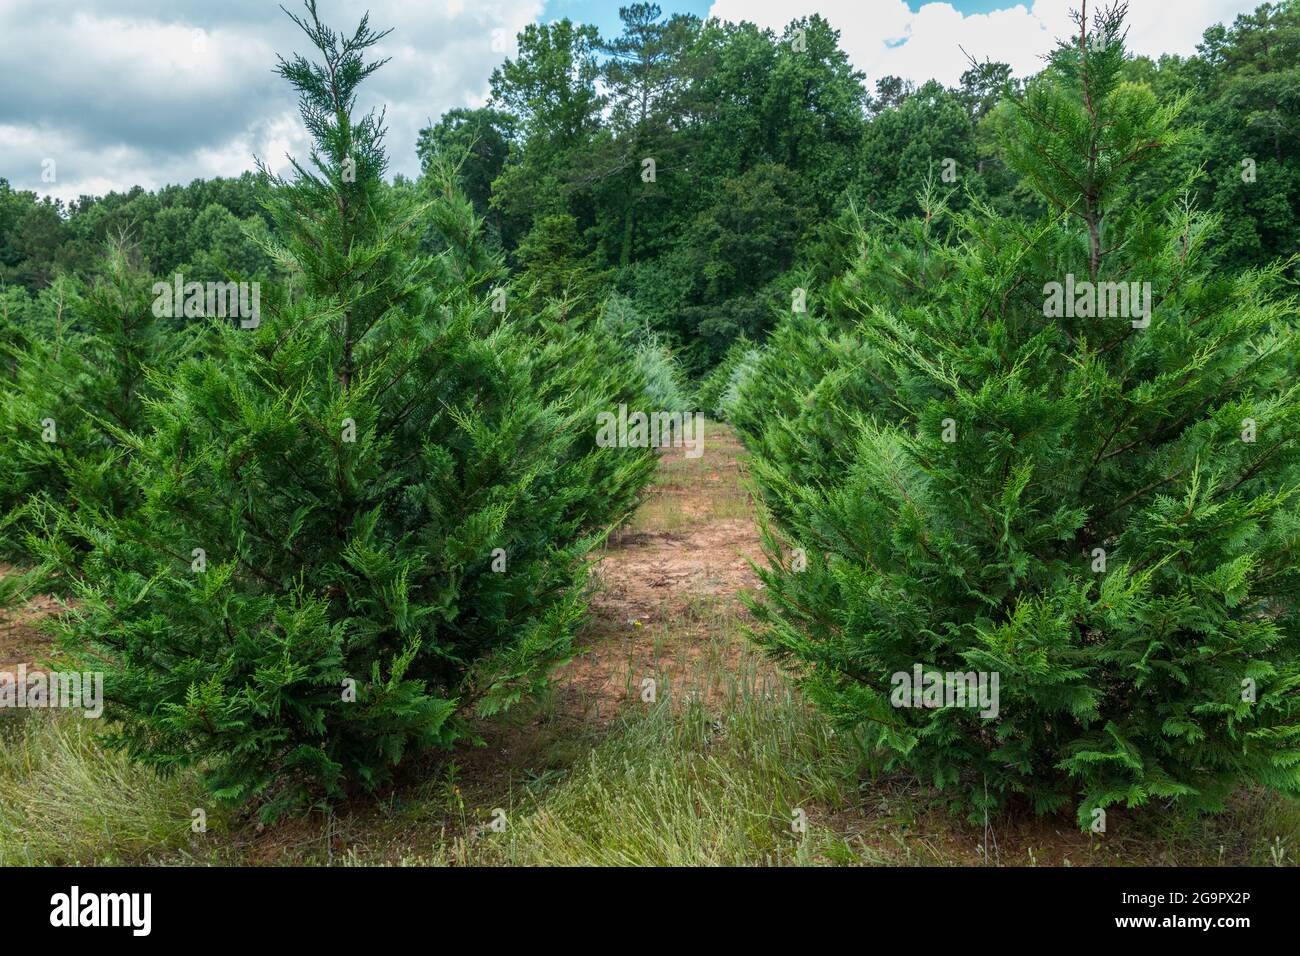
column 930, row 134
column 560, row 284
column 205, row 230
column 478, row 141
column 550, row 87
column 17, row 317
column 364, row 520
column 1104, row 515
column 78, row 384
column 555, row 264
column 729, row 274
column 750, row 136
column 394, row 480
column 719, row 391
column 655, row 364
column 719, row 106
column 1253, row 114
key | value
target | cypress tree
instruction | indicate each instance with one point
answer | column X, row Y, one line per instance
column 1088, row 490
column 363, row 521
column 79, row 365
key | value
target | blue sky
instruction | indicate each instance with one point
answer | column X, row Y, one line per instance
column 604, row 13
column 973, row 6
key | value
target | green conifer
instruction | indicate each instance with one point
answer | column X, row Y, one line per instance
column 363, row 520
column 1096, row 503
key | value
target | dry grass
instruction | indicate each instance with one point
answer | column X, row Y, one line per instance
column 690, row 492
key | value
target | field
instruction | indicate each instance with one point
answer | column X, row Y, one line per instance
column 691, row 435
column 712, row 772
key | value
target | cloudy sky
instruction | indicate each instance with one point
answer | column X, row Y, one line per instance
column 110, row 94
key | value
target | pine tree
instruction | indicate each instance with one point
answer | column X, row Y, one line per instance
column 363, row 522
column 1096, row 504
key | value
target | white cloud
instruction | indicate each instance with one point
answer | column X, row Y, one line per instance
column 149, row 92
column 884, row 37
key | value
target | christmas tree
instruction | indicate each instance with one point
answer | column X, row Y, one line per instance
column 1045, row 551
column 79, row 361
column 363, row 519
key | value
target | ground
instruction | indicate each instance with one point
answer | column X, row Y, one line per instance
column 716, row 762
column 670, row 584
column 20, row 641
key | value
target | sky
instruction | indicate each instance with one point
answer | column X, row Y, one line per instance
column 110, row 94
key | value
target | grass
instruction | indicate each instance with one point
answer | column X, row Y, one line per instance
column 66, row 800
column 714, row 772
column 685, row 783
column 680, row 782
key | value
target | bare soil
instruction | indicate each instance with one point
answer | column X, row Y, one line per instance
column 670, row 586
column 20, row 640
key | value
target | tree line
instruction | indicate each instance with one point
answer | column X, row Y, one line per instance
column 765, row 148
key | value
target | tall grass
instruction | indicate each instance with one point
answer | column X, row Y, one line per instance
column 713, row 774
column 689, row 783
column 66, row 800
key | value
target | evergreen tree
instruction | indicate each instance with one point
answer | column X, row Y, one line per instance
column 1097, row 504
column 16, row 321
column 362, row 521
column 79, row 365
column 478, row 141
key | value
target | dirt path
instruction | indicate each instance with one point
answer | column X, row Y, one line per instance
column 670, row 584
column 20, row 641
